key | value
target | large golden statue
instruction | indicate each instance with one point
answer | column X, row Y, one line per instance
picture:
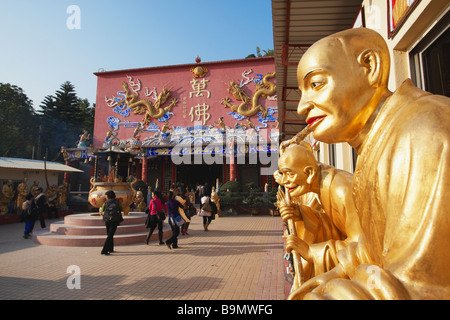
column 401, row 181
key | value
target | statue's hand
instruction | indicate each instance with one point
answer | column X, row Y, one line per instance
column 287, row 209
column 289, row 212
column 301, row 247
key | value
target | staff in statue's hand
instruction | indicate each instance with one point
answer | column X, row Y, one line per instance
column 294, row 245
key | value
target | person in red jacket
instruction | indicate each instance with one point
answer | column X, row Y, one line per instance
column 156, row 212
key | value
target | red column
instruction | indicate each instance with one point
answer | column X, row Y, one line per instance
column 233, row 176
column 174, row 173
column 144, row 169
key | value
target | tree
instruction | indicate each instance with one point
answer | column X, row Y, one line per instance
column 268, row 52
column 18, row 123
column 64, row 117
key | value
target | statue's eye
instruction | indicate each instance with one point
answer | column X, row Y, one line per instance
column 316, row 84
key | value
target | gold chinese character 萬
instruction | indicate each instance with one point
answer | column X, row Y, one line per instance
column 199, row 88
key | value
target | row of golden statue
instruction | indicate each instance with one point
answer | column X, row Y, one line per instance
column 384, row 231
column 57, row 195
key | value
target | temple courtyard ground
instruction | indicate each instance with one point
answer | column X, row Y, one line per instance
column 240, row 258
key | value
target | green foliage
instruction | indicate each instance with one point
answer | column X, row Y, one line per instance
column 254, row 199
column 64, row 117
column 267, row 53
column 230, row 194
column 18, row 123
column 232, row 186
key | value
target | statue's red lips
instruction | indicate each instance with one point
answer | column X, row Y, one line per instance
column 313, row 120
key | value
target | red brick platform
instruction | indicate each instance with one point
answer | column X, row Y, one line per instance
column 88, row 230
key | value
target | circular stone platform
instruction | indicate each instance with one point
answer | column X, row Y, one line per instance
column 88, row 230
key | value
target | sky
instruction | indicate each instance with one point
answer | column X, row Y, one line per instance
column 44, row 43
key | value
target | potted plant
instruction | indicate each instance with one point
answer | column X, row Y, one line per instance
column 230, row 196
column 254, row 200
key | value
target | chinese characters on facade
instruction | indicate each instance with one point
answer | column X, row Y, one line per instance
column 199, row 112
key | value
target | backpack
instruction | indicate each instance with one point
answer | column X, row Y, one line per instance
column 112, row 211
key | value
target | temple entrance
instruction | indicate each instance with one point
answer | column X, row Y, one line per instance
column 193, row 174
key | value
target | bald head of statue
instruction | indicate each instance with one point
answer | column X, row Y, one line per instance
column 343, row 79
column 298, row 169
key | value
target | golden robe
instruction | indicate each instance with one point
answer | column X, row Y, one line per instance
column 401, row 189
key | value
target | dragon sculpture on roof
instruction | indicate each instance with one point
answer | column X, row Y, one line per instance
column 263, row 89
column 141, row 106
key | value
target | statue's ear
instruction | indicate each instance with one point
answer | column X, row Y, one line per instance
column 310, row 173
column 370, row 59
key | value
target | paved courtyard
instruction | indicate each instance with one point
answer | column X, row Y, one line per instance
column 240, row 258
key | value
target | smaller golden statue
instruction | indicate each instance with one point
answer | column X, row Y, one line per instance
column 139, row 202
column 62, row 195
column 215, row 198
column 34, row 187
column 317, row 204
column 22, row 191
column 6, row 196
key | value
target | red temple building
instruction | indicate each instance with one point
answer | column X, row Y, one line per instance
column 190, row 124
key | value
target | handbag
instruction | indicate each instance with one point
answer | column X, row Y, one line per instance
column 179, row 221
column 203, row 213
column 207, row 206
column 147, row 221
column 161, row 215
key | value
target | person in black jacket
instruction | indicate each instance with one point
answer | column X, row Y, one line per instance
column 111, row 224
column 41, row 203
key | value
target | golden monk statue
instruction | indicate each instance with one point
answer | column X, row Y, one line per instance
column 6, row 196
column 401, row 182
column 62, row 195
column 323, row 228
column 22, row 191
column 34, row 187
column 139, row 201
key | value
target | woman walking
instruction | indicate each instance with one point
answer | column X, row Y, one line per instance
column 176, row 217
column 208, row 210
column 157, row 209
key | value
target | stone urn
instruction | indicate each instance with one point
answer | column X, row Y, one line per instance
column 123, row 190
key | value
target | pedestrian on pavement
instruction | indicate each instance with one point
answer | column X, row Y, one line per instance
column 176, row 218
column 30, row 214
column 208, row 210
column 190, row 211
column 156, row 214
column 112, row 216
column 41, row 204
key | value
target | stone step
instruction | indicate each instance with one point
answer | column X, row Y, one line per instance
column 88, row 230
column 94, row 219
column 70, row 230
